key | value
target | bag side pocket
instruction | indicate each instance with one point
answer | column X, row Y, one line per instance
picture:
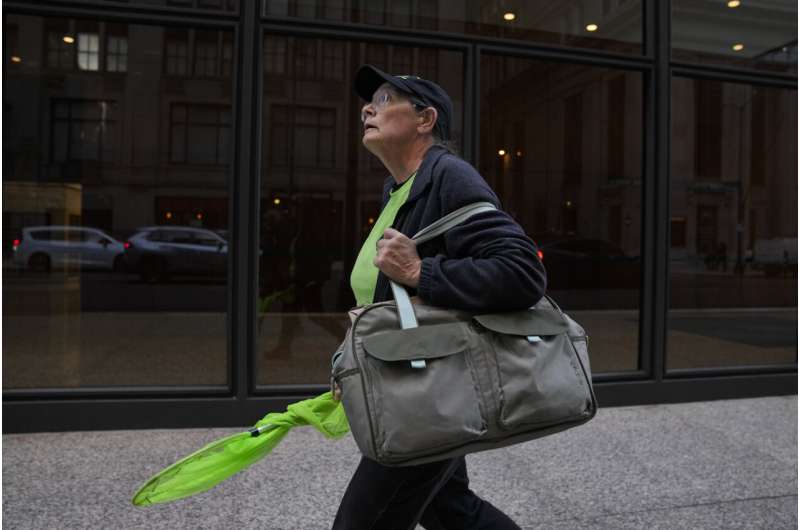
column 539, row 382
column 418, row 411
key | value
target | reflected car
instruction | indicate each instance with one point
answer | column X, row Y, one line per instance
column 44, row 248
column 157, row 253
column 585, row 263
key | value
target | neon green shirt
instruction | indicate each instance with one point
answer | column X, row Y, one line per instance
column 364, row 276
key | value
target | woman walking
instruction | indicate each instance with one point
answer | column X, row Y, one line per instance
column 487, row 263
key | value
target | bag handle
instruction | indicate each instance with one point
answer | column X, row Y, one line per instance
column 405, row 309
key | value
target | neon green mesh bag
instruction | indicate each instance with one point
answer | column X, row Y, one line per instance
column 219, row 460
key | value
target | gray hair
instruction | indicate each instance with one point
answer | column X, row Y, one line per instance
column 450, row 145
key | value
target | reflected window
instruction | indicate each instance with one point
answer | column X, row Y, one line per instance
column 200, row 134
column 206, row 55
column 83, row 130
column 176, row 52
column 428, row 63
column 117, row 53
column 60, row 49
column 11, row 45
column 733, row 250
column 279, row 127
column 322, row 122
column 402, row 58
column 88, row 51
column 333, row 60
column 334, row 9
column 227, row 54
column 313, row 136
column 305, row 58
column 401, row 13
column 376, row 55
column 275, row 54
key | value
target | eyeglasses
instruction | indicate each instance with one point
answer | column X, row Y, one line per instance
column 382, row 98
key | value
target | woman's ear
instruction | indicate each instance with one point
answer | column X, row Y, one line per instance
column 428, row 119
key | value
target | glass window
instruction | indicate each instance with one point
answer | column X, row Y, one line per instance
column 176, row 52
column 60, row 45
column 11, row 46
column 206, row 54
column 199, row 134
column 320, row 191
column 117, row 53
column 333, row 60
column 550, row 136
column 760, row 35
column 275, row 53
column 83, row 130
column 88, row 51
column 87, row 159
column 733, row 260
column 612, row 25
column 227, row 54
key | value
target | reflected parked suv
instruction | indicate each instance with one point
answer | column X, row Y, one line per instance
column 43, row 248
column 158, row 252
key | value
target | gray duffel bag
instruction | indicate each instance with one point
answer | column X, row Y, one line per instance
column 422, row 383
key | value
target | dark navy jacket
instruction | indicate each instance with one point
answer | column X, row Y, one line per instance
column 486, row 263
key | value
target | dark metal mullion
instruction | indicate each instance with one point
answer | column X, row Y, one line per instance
column 659, row 140
column 476, row 120
column 241, row 332
column 647, row 310
column 732, row 75
column 115, row 392
column 619, row 376
column 91, row 413
column 756, row 369
column 470, row 134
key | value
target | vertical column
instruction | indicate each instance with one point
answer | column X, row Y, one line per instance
column 656, row 247
column 245, row 178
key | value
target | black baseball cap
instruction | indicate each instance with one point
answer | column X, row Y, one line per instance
column 368, row 79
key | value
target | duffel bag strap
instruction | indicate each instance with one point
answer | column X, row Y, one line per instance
column 405, row 308
column 454, row 218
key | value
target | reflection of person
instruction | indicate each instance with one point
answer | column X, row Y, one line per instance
column 485, row 264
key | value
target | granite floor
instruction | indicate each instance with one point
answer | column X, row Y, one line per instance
column 707, row 465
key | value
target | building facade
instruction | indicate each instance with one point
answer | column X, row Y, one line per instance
column 185, row 191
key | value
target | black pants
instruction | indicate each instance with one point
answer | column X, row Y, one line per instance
column 435, row 495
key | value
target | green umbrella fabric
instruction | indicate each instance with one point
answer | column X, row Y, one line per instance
column 217, row 461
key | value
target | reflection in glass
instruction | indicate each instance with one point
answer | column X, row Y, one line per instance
column 611, row 25
column 733, row 246
column 320, row 192
column 115, row 207
column 761, row 35
column 561, row 146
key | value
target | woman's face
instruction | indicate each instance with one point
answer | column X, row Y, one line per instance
column 390, row 121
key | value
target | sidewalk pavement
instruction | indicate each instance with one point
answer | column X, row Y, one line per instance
column 705, row 465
